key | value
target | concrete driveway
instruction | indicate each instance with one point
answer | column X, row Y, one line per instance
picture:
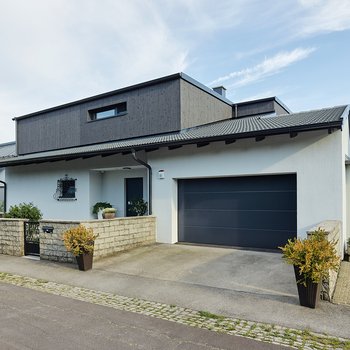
column 228, row 269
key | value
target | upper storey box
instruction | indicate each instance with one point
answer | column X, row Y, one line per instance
column 159, row 106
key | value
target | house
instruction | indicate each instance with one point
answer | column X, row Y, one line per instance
column 249, row 174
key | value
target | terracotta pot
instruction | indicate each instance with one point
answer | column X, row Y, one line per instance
column 109, row 215
column 85, row 261
column 309, row 295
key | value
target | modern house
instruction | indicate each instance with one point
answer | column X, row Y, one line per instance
column 249, row 174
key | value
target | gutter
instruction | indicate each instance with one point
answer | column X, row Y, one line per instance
column 133, row 153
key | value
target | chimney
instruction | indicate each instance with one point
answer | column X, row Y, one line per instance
column 220, row 90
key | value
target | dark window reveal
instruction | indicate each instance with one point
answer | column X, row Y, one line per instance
column 108, row 112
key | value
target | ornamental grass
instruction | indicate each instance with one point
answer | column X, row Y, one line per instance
column 79, row 240
column 315, row 256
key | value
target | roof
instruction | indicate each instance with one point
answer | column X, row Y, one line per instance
column 227, row 130
column 130, row 88
column 7, row 149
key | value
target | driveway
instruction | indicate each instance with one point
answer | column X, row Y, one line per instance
column 227, row 269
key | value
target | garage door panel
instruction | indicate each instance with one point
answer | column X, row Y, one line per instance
column 247, row 183
column 241, row 219
column 252, row 211
column 238, row 237
column 240, row 200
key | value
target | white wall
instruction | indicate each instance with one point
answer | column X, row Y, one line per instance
column 37, row 183
column 2, row 174
column 315, row 157
column 113, row 187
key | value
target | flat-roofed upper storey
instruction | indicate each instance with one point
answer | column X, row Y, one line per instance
column 159, row 106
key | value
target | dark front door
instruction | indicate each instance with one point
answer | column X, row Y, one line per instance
column 133, row 191
column 252, row 211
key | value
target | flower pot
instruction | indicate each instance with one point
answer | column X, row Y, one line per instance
column 85, row 261
column 109, row 215
column 309, row 295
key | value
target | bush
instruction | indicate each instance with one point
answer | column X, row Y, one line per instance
column 139, row 207
column 100, row 205
column 1, row 206
column 314, row 256
column 24, row 211
column 109, row 210
column 79, row 240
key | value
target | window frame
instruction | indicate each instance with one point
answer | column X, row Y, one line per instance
column 92, row 114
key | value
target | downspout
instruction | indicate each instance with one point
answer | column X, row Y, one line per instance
column 133, row 152
column 5, row 194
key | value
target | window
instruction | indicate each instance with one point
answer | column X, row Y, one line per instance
column 108, row 112
column 65, row 189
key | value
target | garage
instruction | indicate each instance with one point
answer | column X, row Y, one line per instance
column 250, row 211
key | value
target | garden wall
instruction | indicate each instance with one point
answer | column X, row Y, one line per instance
column 12, row 237
column 333, row 231
column 115, row 235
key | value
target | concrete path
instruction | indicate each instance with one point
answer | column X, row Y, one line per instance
column 342, row 290
column 40, row 321
column 247, row 285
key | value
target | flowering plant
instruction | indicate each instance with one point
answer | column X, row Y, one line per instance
column 315, row 256
column 79, row 240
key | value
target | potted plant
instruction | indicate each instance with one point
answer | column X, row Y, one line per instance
column 98, row 208
column 312, row 259
column 139, row 207
column 109, row 213
column 80, row 242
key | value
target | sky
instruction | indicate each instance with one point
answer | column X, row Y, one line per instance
column 57, row 51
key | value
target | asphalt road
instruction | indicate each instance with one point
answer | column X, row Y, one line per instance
column 36, row 320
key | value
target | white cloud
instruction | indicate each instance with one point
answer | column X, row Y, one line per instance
column 322, row 16
column 268, row 67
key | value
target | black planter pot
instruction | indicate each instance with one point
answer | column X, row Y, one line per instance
column 309, row 295
column 84, row 261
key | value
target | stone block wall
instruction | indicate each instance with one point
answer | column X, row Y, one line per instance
column 115, row 235
column 51, row 244
column 333, row 231
column 12, row 237
column 120, row 234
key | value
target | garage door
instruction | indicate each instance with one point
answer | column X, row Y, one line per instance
column 251, row 211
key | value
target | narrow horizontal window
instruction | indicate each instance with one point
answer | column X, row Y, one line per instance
column 108, row 112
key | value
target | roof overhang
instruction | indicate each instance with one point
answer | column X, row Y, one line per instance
column 55, row 156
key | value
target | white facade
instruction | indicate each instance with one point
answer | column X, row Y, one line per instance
column 318, row 160
column 316, row 157
column 98, row 179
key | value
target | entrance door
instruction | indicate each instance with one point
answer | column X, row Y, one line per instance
column 133, row 191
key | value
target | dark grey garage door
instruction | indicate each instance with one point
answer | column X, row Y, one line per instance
column 251, row 211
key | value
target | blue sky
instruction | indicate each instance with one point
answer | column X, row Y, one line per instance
column 58, row 51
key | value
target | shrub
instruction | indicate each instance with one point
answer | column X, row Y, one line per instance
column 139, row 207
column 1, row 206
column 79, row 240
column 100, row 205
column 24, row 211
column 314, row 256
column 109, row 210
